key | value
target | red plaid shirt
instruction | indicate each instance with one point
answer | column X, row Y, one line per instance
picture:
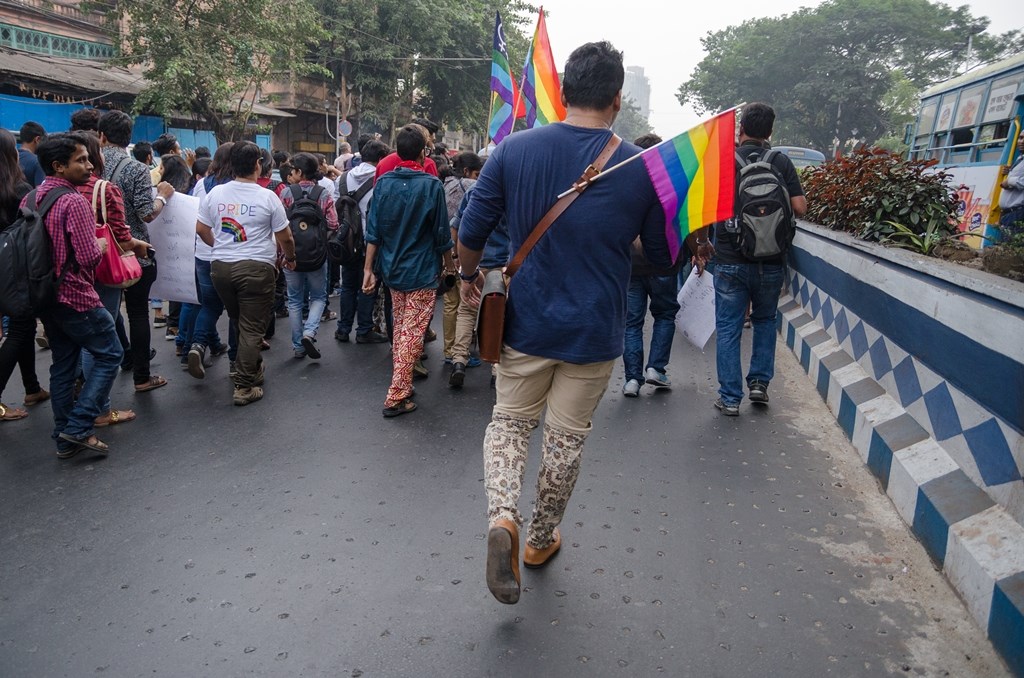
column 72, row 214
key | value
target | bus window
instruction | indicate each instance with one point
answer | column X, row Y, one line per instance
column 927, row 123
column 970, row 106
column 1000, row 100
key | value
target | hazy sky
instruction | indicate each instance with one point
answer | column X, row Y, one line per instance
column 666, row 42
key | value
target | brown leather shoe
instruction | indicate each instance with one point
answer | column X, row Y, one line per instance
column 534, row 558
column 503, row 561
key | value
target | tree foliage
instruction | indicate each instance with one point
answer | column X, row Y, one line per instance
column 843, row 69
column 630, row 122
column 201, row 56
column 391, row 58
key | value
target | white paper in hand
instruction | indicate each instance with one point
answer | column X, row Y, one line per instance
column 696, row 317
column 173, row 235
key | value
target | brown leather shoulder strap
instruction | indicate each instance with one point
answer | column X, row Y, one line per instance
column 556, row 210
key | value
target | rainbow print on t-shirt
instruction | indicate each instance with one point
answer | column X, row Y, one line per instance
column 233, row 228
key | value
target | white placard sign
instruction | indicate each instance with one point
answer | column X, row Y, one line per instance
column 696, row 317
column 173, row 236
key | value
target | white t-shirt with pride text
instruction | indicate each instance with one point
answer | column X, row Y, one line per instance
column 244, row 217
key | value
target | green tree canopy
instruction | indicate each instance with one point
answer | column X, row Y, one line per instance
column 841, row 69
column 630, row 122
column 392, row 57
column 201, row 57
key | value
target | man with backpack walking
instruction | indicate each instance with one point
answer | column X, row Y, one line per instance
column 74, row 317
column 750, row 258
column 356, row 190
column 311, row 215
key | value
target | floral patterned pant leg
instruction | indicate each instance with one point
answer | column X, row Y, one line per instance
column 505, row 446
column 412, row 312
column 559, row 469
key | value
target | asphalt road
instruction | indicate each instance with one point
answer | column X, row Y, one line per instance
column 305, row 535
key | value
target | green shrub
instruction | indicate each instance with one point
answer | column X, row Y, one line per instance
column 863, row 192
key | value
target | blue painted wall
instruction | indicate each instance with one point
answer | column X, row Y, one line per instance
column 16, row 111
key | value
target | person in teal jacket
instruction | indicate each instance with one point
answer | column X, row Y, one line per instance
column 407, row 237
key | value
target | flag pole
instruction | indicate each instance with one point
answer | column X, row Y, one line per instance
column 647, row 150
column 487, row 126
column 522, row 81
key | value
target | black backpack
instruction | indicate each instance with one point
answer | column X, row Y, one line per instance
column 764, row 220
column 28, row 281
column 309, row 228
column 346, row 246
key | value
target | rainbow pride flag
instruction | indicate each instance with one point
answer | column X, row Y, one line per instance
column 504, row 92
column 541, row 89
column 694, row 175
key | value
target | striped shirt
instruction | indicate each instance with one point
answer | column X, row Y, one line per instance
column 72, row 214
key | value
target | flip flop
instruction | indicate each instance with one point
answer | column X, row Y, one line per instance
column 90, row 443
column 155, row 381
column 114, row 417
column 8, row 413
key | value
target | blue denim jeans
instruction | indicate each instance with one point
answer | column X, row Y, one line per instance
column 70, row 332
column 211, row 307
column 662, row 291
column 315, row 282
column 110, row 297
column 353, row 303
column 736, row 287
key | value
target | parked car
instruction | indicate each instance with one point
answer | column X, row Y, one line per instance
column 802, row 157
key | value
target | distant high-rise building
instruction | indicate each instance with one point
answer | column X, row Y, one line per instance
column 638, row 88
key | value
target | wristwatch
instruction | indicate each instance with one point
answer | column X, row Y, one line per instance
column 161, row 199
column 469, row 278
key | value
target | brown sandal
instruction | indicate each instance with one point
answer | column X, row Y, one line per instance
column 39, row 396
column 156, row 381
column 11, row 413
column 114, row 417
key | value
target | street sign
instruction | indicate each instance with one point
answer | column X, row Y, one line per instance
column 344, row 128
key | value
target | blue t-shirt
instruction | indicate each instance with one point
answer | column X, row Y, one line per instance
column 568, row 301
column 33, row 171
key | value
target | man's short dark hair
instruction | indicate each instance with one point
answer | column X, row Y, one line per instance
column 56, row 148
column 306, row 163
column 280, row 157
column 363, row 140
column 244, row 155
column 31, row 131
column 647, row 140
column 431, row 126
column 85, row 120
column 142, row 151
column 117, row 127
column 164, row 144
column 201, row 166
column 374, row 151
column 593, row 75
column 410, row 142
column 202, row 152
column 757, row 120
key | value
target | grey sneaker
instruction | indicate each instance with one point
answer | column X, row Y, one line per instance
column 197, row 361
column 728, row 410
column 309, row 343
column 758, row 392
column 631, row 389
column 657, row 379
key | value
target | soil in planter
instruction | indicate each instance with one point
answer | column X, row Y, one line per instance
column 1003, row 261
column 956, row 251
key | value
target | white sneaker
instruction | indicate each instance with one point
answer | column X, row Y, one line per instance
column 657, row 379
column 631, row 389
